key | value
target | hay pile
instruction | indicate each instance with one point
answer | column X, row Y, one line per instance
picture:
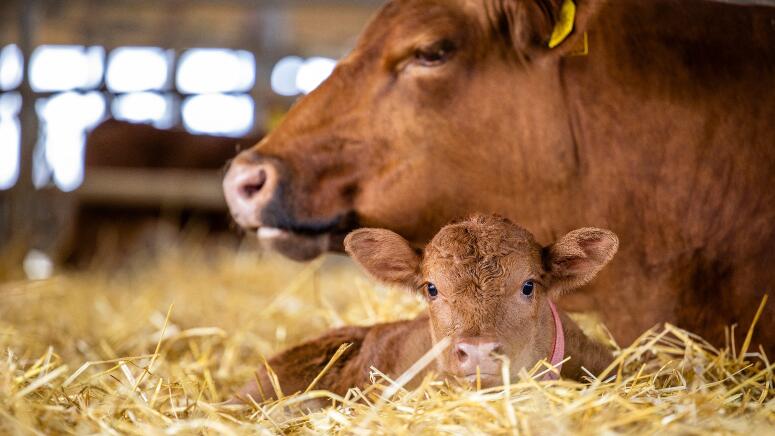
column 155, row 348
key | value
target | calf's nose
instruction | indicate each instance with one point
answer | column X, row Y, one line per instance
column 471, row 354
column 248, row 188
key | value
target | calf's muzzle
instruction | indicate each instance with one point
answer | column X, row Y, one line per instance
column 470, row 353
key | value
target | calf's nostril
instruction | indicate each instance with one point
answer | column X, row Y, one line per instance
column 462, row 356
column 251, row 186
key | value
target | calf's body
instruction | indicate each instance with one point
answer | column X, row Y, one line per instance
column 489, row 288
column 391, row 348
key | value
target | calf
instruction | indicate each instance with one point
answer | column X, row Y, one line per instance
column 489, row 287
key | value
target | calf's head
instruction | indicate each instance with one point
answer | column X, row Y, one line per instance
column 435, row 108
column 487, row 283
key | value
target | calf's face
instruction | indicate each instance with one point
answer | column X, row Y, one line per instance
column 488, row 284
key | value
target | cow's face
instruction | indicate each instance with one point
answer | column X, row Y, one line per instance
column 487, row 283
column 432, row 109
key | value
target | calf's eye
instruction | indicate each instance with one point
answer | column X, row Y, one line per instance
column 432, row 291
column 527, row 288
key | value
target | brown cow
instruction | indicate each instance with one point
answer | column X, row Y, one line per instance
column 662, row 133
column 121, row 144
column 489, row 287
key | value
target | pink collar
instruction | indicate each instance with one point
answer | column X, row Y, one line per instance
column 558, row 348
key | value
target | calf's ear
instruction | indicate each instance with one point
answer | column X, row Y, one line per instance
column 577, row 257
column 384, row 255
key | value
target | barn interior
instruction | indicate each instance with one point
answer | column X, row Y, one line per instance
column 119, row 117
column 131, row 304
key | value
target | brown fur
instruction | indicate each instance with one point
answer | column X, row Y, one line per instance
column 663, row 133
column 479, row 266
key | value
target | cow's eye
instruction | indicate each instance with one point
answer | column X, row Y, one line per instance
column 527, row 288
column 432, row 291
column 434, row 54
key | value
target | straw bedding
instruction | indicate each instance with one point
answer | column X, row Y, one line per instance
column 156, row 349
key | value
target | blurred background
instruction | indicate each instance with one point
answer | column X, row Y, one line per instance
column 117, row 117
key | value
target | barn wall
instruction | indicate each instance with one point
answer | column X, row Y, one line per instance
column 270, row 29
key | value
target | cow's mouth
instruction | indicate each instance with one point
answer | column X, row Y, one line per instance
column 304, row 243
column 300, row 246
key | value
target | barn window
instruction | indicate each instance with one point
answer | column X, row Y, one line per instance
column 313, row 72
column 10, row 136
column 65, row 115
column 145, row 107
column 216, row 81
column 65, row 119
column 293, row 75
column 218, row 114
column 75, row 85
column 66, row 67
column 11, row 67
column 283, row 79
column 214, row 70
column 132, row 69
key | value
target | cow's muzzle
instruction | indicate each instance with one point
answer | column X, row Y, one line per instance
column 256, row 187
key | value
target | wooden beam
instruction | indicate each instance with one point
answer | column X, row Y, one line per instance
column 23, row 198
column 138, row 187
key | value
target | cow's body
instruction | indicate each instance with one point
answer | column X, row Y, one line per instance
column 662, row 133
column 673, row 115
column 121, row 144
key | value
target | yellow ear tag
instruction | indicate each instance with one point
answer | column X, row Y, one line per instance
column 564, row 25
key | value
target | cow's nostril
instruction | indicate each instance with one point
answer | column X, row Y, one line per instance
column 498, row 349
column 253, row 185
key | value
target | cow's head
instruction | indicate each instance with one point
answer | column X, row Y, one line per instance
column 487, row 283
column 444, row 108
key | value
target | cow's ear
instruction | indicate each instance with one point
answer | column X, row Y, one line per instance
column 385, row 255
column 535, row 27
column 577, row 257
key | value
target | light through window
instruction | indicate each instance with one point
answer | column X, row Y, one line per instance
column 313, row 72
column 216, row 81
column 211, row 70
column 133, row 69
column 293, row 75
column 65, row 117
column 66, row 67
column 283, row 79
column 11, row 67
column 218, row 114
column 10, row 139
column 144, row 107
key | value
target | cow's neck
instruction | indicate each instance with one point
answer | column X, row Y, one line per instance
column 540, row 170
